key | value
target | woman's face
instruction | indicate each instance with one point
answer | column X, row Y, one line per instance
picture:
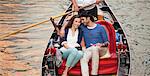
column 76, row 22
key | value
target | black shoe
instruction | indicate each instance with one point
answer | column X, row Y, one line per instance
column 94, row 75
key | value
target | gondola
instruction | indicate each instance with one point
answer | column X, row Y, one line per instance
column 118, row 64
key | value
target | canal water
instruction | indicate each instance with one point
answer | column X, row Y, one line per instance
column 21, row 54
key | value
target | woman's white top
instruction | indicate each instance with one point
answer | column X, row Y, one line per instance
column 71, row 40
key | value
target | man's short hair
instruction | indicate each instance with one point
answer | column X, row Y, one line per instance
column 86, row 14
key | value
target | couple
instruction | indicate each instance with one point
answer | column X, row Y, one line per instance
column 94, row 36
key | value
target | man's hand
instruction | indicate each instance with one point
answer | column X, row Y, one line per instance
column 99, row 44
column 102, row 44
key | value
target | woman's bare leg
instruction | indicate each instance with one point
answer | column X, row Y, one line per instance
column 65, row 71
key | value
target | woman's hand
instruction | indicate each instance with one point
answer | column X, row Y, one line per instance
column 76, row 8
column 83, row 48
column 66, row 45
column 98, row 1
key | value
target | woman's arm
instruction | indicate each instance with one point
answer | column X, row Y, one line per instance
column 55, row 26
column 62, row 30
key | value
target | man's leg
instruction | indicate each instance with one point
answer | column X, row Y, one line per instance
column 84, row 62
column 95, row 60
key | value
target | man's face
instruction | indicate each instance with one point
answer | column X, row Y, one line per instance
column 84, row 20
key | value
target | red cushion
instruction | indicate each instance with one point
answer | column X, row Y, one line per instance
column 111, row 35
column 107, row 65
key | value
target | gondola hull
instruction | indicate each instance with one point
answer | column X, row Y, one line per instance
column 117, row 64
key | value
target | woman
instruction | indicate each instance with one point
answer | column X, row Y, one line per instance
column 71, row 39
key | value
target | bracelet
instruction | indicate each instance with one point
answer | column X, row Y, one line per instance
column 104, row 45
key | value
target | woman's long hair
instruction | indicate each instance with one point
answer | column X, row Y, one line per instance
column 69, row 25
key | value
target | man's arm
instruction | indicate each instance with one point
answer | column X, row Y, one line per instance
column 104, row 34
column 104, row 38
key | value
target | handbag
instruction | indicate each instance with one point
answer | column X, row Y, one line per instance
column 58, row 58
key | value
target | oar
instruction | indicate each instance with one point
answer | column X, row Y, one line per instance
column 22, row 29
column 36, row 24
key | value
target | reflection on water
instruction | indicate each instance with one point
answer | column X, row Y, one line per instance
column 21, row 54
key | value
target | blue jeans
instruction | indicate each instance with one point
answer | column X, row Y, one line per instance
column 72, row 55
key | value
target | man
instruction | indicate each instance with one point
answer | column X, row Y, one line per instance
column 96, row 42
column 80, row 3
